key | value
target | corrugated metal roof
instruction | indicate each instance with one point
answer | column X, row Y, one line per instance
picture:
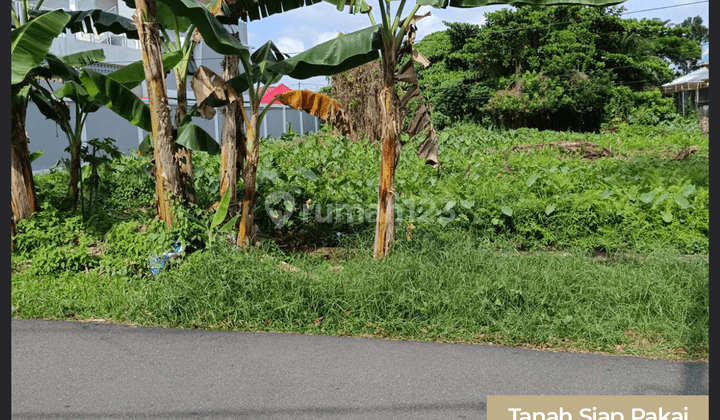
column 697, row 79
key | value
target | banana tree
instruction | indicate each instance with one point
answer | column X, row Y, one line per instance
column 260, row 70
column 30, row 42
column 32, row 37
column 53, row 106
column 396, row 34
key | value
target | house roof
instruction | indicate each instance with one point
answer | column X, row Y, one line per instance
column 272, row 92
column 697, row 79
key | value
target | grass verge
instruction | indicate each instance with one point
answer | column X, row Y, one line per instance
column 442, row 285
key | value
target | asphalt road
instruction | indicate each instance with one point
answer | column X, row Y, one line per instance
column 70, row 370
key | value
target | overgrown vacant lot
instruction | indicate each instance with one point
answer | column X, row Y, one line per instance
column 520, row 238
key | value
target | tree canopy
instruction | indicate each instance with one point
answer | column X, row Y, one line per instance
column 551, row 67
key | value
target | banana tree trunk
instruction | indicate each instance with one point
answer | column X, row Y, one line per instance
column 73, row 191
column 168, row 180
column 390, row 150
column 246, row 234
column 22, row 183
column 231, row 129
column 183, row 153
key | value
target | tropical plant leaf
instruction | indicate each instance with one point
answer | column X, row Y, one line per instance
column 51, row 108
column 78, row 94
column 31, row 42
column 443, row 4
column 507, row 211
column 334, row 56
column 211, row 91
column 117, row 97
column 134, row 74
column 193, row 137
column 36, row 154
column 82, row 20
column 681, row 201
column 212, row 30
column 230, row 12
column 221, row 211
column 532, row 180
column 65, row 67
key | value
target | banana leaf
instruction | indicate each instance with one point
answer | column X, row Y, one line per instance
column 65, row 67
column 214, row 34
column 98, row 19
column 134, row 74
column 117, row 97
column 334, row 56
column 193, row 137
column 78, row 94
column 443, row 4
column 189, row 135
column 31, row 42
column 230, row 12
column 166, row 18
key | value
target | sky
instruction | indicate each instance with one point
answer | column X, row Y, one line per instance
column 300, row 29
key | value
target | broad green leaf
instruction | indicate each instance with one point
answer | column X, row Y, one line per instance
column 310, row 175
column 102, row 21
column 134, row 74
column 450, row 204
column 227, row 227
column 212, row 30
column 550, row 209
column 334, row 56
column 681, row 201
column 507, row 211
column 688, row 190
column 77, row 93
column 662, row 198
column 647, row 197
column 606, row 194
column 230, row 12
column 532, row 180
column 666, row 216
column 65, row 67
column 36, row 154
column 117, row 97
column 193, row 137
column 442, row 4
column 222, row 210
column 31, row 42
column 51, row 108
column 468, row 204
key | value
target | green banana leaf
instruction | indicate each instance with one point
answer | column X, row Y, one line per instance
column 51, row 108
column 193, row 137
column 189, row 135
column 443, row 4
column 100, row 20
column 231, row 12
column 165, row 17
column 334, row 56
column 117, row 97
column 78, row 94
column 65, row 67
column 134, row 74
column 31, row 42
column 214, row 34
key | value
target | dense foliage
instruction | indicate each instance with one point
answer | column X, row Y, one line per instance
column 311, row 188
column 471, row 261
column 554, row 67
